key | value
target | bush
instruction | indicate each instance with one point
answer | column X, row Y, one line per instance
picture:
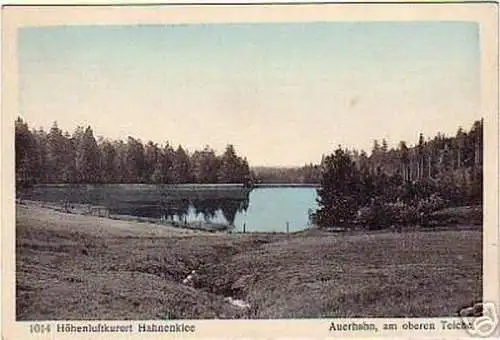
column 430, row 204
column 426, row 207
column 402, row 213
column 340, row 212
column 379, row 215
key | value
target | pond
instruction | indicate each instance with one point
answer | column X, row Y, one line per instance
column 274, row 209
column 267, row 210
column 271, row 209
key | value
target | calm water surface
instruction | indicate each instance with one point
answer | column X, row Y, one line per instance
column 259, row 210
column 269, row 210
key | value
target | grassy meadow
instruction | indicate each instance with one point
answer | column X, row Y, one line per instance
column 72, row 266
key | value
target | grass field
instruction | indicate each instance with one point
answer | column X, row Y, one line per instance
column 85, row 267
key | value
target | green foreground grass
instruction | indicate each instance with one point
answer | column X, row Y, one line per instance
column 85, row 267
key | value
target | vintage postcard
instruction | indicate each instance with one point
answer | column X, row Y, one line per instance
column 250, row 171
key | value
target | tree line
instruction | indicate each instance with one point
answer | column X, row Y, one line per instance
column 58, row 157
column 307, row 174
column 402, row 185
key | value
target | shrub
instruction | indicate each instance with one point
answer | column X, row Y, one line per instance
column 377, row 215
column 426, row 207
column 380, row 214
column 430, row 204
column 402, row 213
column 340, row 213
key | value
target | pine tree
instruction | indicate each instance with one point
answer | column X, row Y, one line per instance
column 339, row 195
column 41, row 171
column 230, row 170
column 109, row 157
column 25, row 148
column 88, row 158
column 55, row 154
column 182, row 166
column 404, row 158
column 168, row 161
column 459, row 146
column 205, row 165
column 69, row 171
column 152, row 156
column 135, row 164
column 420, row 156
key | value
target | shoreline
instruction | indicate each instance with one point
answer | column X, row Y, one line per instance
column 86, row 210
column 83, row 210
column 214, row 228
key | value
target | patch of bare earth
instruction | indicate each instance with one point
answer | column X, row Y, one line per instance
column 83, row 267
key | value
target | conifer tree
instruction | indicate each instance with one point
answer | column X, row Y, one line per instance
column 339, row 195
column 88, row 158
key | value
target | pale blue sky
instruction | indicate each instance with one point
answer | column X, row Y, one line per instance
column 282, row 93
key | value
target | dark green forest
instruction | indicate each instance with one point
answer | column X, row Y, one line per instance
column 58, row 157
column 307, row 174
column 405, row 185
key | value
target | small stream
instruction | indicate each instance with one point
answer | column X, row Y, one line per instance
column 235, row 302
